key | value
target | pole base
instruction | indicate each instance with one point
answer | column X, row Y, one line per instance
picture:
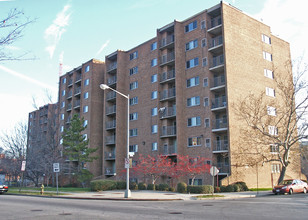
column 127, row 193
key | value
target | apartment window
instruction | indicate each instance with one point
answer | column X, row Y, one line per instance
column 154, row 146
column 85, row 109
column 208, row 142
column 205, row 82
column 203, row 42
column 191, row 45
column 63, row 92
column 206, row 101
column 62, row 117
column 271, row 110
column 266, row 39
column 204, row 61
column 133, row 148
column 268, row 73
column 154, row 46
column 86, row 82
column 275, row 168
column 207, row 122
column 270, row 92
column 133, row 116
column 154, row 111
column 192, row 63
column 192, row 82
column 191, row 26
column 133, row 132
column 154, row 129
column 61, row 128
column 133, row 55
column 193, row 101
column 272, row 130
column 267, row 56
column 85, row 123
column 154, row 95
column 61, row 141
column 154, row 62
column 62, row 104
column 87, row 69
column 86, row 95
column 63, row 80
column 274, row 148
column 197, row 182
column 133, row 85
column 194, row 141
column 203, row 24
column 133, row 101
column 154, row 78
column 133, row 70
column 194, row 121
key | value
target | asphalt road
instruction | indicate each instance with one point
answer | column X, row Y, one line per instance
column 267, row 207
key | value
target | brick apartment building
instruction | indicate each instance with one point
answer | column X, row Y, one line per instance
column 181, row 84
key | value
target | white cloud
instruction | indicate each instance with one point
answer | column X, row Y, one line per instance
column 103, row 47
column 27, row 78
column 54, row 32
column 287, row 19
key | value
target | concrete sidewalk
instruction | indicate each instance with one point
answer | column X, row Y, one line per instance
column 149, row 195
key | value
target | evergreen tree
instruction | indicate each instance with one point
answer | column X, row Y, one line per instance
column 76, row 148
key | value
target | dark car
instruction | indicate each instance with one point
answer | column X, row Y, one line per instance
column 291, row 186
column 3, row 188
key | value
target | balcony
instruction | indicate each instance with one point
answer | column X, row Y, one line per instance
column 76, row 104
column 220, row 125
column 111, row 81
column 112, row 67
column 78, row 79
column 167, row 94
column 109, row 171
column 167, row 59
column 215, row 45
column 167, row 112
column 111, row 110
column 167, row 42
column 70, row 83
column 218, row 83
column 110, row 140
column 220, row 146
column 167, row 76
column 69, row 107
column 169, row 150
column 217, row 64
column 215, row 26
column 68, row 120
column 69, row 95
column 110, row 155
column 111, row 96
column 77, row 91
column 223, row 169
column 168, row 131
column 219, row 103
column 110, row 125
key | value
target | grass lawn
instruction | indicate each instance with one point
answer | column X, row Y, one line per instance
column 209, row 196
column 260, row 189
column 47, row 190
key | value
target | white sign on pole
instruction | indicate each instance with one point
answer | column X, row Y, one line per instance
column 126, row 163
column 23, row 165
column 56, row 167
column 214, row 171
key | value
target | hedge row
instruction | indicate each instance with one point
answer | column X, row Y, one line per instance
column 235, row 187
column 203, row 189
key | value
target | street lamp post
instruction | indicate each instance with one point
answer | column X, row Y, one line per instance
column 127, row 191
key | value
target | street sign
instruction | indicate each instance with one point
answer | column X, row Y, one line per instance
column 126, row 163
column 214, row 171
column 56, row 167
column 23, row 165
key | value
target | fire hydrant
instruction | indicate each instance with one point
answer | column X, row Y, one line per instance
column 42, row 189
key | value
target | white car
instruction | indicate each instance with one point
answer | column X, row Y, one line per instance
column 3, row 188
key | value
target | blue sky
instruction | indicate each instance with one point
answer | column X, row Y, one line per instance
column 76, row 31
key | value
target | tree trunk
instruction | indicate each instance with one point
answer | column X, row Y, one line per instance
column 282, row 174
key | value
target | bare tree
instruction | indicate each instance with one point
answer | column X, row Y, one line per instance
column 275, row 126
column 12, row 29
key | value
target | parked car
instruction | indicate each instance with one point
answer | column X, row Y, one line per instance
column 291, row 186
column 3, row 188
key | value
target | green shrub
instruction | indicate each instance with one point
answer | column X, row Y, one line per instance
column 156, row 187
column 181, row 187
column 151, row 186
column 133, row 186
column 103, row 185
column 236, row 188
column 163, row 187
column 142, row 186
column 203, row 189
column 243, row 186
column 171, row 189
column 223, row 189
column 217, row 189
column 121, row 185
column 230, row 188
